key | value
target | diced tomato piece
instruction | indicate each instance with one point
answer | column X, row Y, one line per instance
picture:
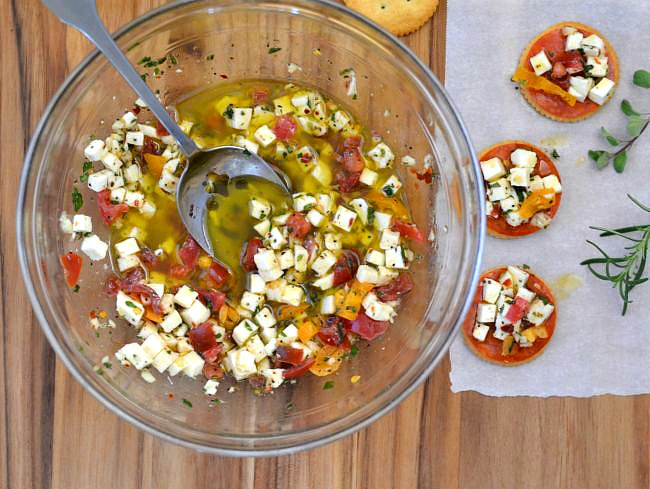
column 202, row 337
column 298, row 370
column 110, row 212
column 559, row 70
column 152, row 146
column 333, row 331
column 212, row 371
column 292, row 356
column 367, row 328
column 517, row 310
column 409, row 231
column 396, row 288
column 179, row 271
column 217, row 275
column 211, row 355
column 353, row 142
column 161, row 129
column 147, row 256
column 298, row 226
column 112, row 285
column 571, row 60
column 346, row 181
column 133, row 276
column 345, row 267
column 250, row 249
column 213, row 299
column 285, row 127
column 349, row 155
column 189, row 252
column 260, row 95
column 71, row 263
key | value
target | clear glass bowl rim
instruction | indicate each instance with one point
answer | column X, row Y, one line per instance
column 255, row 452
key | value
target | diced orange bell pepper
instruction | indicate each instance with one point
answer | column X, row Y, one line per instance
column 155, row 164
column 328, row 360
column 529, row 79
column 352, row 304
column 307, row 330
column 537, row 200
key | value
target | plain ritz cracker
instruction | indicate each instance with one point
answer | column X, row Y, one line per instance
column 400, row 17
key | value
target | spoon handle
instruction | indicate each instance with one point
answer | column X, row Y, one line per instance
column 82, row 15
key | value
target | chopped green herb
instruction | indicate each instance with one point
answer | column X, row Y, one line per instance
column 187, row 403
column 86, row 170
column 172, row 59
column 328, row 385
column 555, row 154
column 76, row 288
column 354, row 351
column 108, row 365
column 274, row 50
column 77, row 199
column 131, row 304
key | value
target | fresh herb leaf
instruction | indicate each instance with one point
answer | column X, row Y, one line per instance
column 274, row 50
column 354, row 351
column 86, row 169
column 627, row 109
column 623, row 272
column 609, row 136
column 172, row 59
column 77, row 199
column 76, row 288
column 131, row 304
column 555, row 154
column 328, row 385
column 619, row 162
column 641, row 78
column 186, row 402
column 634, row 125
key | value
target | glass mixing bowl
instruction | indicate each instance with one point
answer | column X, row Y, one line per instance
column 213, row 39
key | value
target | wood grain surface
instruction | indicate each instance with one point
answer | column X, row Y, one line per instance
column 55, row 435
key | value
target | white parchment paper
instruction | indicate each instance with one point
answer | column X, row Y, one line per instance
column 594, row 349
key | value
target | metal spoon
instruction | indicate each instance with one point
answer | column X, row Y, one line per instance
column 232, row 161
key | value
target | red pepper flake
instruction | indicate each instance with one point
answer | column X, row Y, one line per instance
column 225, row 77
column 426, row 176
column 136, row 110
column 170, row 396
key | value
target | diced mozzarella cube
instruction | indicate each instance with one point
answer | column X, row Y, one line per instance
column 408, row 161
column 129, row 119
column 391, row 186
column 489, row 208
column 259, row 208
column 280, row 220
column 251, row 301
column 388, row 239
column 540, row 63
column 338, row 120
column 147, row 330
column 98, row 181
column 94, row 248
column 509, row 204
column 134, row 354
column 241, row 363
column 171, row 321
column 153, row 345
column 519, row 277
column 127, row 262
column 541, row 220
column 111, row 162
column 168, row 181
column 552, row 182
column 386, row 275
column 326, row 282
column 395, row 258
column 164, row 360
column 486, row 313
column 499, row 190
column 592, row 45
column 288, row 334
column 480, row 331
column 210, row 387
column 514, row 219
column 128, row 308
column 573, row 41
column 177, row 367
column 601, row 92
column 241, row 117
column 375, row 257
column 580, row 87
column 167, row 303
column 519, row 177
column 367, row 274
column 382, row 220
column 263, row 227
column 380, row 311
column 303, row 202
column 135, row 137
column 255, row 346
column 255, row 284
column 344, row 218
column 361, row 206
column 492, row 169
column 275, row 238
column 117, row 195
column 264, row 135
column 307, row 155
column 196, row 314
column 535, row 183
column 274, row 376
column 312, row 126
column 127, row 247
column 525, row 294
column 596, row 66
column 285, row 258
column 523, row 158
column 300, row 258
column 247, row 144
column 244, row 330
column 382, row 155
column 491, row 290
column 265, row 318
column 368, row 177
column 134, row 199
column 292, row 295
column 324, row 203
column 323, row 263
column 315, row 218
column 274, row 289
column 538, row 312
column 568, row 30
column 82, row 224
column 95, row 150
column 327, row 304
column 268, row 334
column 181, row 330
column 185, row 296
column 333, row 241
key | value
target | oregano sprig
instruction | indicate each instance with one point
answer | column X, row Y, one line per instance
column 637, row 123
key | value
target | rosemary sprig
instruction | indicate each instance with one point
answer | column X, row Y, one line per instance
column 624, row 272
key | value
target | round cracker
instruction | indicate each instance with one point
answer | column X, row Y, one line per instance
column 611, row 54
column 400, row 17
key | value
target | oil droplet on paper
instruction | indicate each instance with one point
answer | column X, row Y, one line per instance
column 564, row 285
column 581, row 161
column 560, row 140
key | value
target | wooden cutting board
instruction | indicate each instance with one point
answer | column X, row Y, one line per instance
column 54, row 435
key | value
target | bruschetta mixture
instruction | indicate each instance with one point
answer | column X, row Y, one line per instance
column 567, row 71
column 522, row 188
column 298, row 281
column 512, row 317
